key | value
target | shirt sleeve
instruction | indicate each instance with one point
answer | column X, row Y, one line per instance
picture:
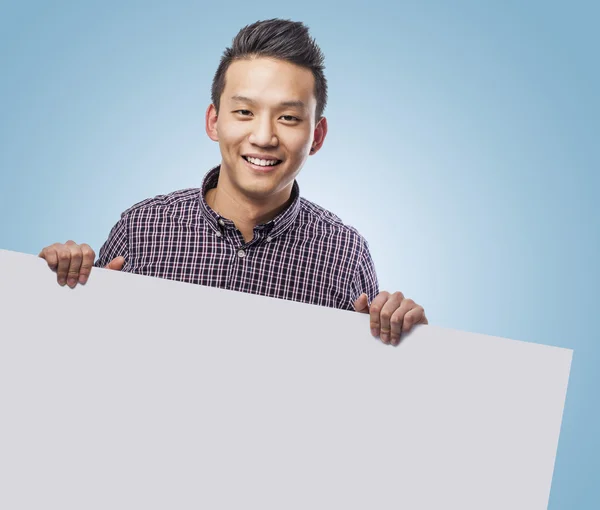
column 365, row 277
column 115, row 246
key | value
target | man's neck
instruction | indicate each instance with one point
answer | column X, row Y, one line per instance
column 244, row 212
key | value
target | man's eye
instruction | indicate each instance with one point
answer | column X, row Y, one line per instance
column 290, row 118
column 244, row 113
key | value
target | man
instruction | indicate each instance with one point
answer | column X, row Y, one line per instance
column 247, row 228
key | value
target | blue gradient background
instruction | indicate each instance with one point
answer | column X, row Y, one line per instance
column 463, row 144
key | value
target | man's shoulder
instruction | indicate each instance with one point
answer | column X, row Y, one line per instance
column 323, row 219
column 180, row 199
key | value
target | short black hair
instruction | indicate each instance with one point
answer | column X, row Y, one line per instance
column 275, row 38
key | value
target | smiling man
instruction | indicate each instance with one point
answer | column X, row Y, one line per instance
column 247, row 228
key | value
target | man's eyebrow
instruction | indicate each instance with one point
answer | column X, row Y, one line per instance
column 293, row 104
column 287, row 104
column 242, row 99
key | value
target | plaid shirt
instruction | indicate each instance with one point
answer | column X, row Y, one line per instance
column 304, row 254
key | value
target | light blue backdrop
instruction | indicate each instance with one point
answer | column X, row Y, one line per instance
column 463, row 144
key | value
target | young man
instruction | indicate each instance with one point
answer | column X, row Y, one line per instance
column 247, row 228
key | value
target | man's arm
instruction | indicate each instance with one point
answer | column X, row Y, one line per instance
column 365, row 277
column 115, row 246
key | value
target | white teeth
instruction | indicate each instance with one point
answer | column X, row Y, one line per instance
column 262, row 162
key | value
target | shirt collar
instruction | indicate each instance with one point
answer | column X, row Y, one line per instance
column 274, row 228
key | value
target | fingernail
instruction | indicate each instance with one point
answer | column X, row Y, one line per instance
column 385, row 339
column 82, row 279
column 375, row 332
column 71, row 282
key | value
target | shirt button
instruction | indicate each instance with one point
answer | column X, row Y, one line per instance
column 241, row 254
column 269, row 239
column 218, row 234
column 222, row 223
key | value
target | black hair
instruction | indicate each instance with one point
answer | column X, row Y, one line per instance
column 275, row 38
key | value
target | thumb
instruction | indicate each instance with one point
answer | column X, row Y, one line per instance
column 362, row 304
column 116, row 264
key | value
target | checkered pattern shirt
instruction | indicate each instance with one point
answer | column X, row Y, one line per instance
column 304, row 254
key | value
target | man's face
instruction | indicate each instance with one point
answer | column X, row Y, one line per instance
column 266, row 126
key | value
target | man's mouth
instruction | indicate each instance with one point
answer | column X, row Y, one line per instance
column 262, row 162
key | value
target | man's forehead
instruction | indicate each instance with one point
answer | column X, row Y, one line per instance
column 260, row 79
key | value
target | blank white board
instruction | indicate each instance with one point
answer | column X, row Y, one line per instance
column 139, row 393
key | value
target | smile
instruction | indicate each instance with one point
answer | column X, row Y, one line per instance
column 262, row 162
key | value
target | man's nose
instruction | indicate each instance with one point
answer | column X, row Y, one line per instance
column 263, row 133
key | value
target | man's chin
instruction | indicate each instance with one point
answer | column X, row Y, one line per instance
column 263, row 190
column 258, row 186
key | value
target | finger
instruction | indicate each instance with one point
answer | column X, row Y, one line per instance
column 375, row 311
column 63, row 254
column 362, row 304
column 397, row 320
column 87, row 263
column 50, row 256
column 116, row 264
column 388, row 310
column 75, row 264
column 414, row 316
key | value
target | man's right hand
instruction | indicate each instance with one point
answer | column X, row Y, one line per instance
column 73, row 262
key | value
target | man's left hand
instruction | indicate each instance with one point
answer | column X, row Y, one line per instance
column 391, row 315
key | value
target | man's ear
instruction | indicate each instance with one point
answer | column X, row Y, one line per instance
column 211, row 123
column 319, row 135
